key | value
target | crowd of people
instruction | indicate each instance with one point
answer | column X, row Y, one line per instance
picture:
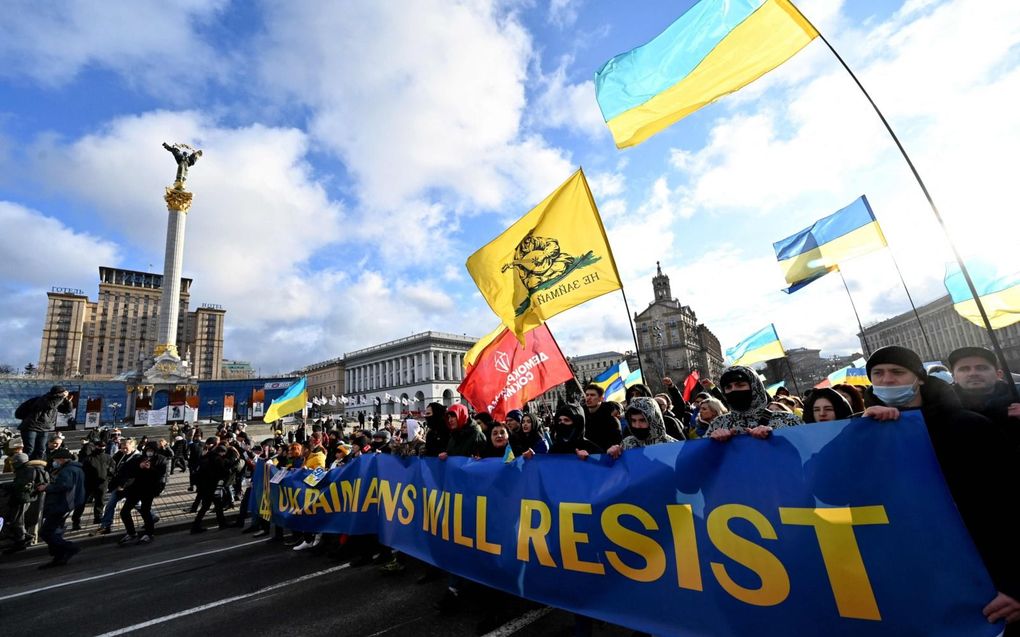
column 973, row 422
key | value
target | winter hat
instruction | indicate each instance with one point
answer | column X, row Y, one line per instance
column 964, row 352
column 56, row 389
column 515, row 414
column 896, row 355
column 62, row 454
column 19, row 459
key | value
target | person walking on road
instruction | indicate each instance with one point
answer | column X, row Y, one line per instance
column 64, row 493
column 144, row 480
column 25, row 500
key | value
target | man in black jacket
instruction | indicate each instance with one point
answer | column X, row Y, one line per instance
column 601, row 427
column 975, row 461
column 213, row 474
column 97, row 465
column 39, row 418
column 979, row 383
column 143, row 480
column 64, row 492
column 569, row 433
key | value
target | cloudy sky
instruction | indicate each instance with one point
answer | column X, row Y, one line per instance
column 357, row 152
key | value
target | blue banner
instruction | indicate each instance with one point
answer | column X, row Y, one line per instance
column 842, row 529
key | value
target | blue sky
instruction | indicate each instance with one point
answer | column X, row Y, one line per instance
column 356, row 153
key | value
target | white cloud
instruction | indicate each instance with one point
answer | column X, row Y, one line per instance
column 152, row 43
column 562, row 104
column 563, row 13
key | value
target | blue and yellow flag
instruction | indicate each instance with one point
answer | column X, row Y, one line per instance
column 999, row 292
column 293, row 400
column 763, row 345
column 850, row 376
column 634, row 378
column 612, row 381
column 815, row 251
column 551, row 259
column 715, row 48
column 508, row 455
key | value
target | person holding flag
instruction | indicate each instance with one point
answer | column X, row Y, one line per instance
column 745, row 394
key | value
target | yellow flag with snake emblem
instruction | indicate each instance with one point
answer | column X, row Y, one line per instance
column 553, row 258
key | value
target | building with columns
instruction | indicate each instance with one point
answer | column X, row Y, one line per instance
column 422, row 368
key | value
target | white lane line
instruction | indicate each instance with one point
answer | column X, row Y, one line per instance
column 529, row 617
column 124, row 570
column 386, row 630
column 228, row 600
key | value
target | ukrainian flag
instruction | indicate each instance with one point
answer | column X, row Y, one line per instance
column 999, row 293
column 763, row 345
column 612, row 381
column 634, row 378
column 715, row 48
column 293, row 400
column 850, row 376
column 815, row 251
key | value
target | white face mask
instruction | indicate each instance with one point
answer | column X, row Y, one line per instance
column 149, row 454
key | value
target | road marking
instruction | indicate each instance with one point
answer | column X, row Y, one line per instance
column 124, row 570
column 512, row 627
column 386, row 630
column 228, row 600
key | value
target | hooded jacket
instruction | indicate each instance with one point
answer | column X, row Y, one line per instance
column 26, row 477
column 437, row 436
column 571, row 438
column 601, row 427
column 842, row 407
column 757, row 414
column 981, row 472
column 467, row 439
column 656, row 427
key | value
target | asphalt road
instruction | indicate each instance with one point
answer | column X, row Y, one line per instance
column 223, row 582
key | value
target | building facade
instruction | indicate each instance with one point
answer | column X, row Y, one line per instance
column 671, row 339
column 809, row 368
column 419, row 369
column 946, row 330
column 235, row 370
column 103, row 338
column 326, row 379
column 586, row 367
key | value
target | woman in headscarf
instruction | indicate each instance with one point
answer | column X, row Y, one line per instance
column 646, row 426
column 531, row 438
column 826, row 405
column 437, row 435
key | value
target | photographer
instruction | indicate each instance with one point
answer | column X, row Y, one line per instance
column 39, row 417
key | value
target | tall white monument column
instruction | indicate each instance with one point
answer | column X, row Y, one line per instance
column 177, row 202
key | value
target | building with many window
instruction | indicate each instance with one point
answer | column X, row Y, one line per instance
column 418, row 369
column 325, row 379
column 945, row 329
column 103, row 338
column 671, row 340
column 234, row 370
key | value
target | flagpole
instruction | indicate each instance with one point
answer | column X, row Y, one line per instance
column 630, row 321
column 569, row 366
column 864, row 336
column 793, row 376
column 931, row 202
column 924, row 333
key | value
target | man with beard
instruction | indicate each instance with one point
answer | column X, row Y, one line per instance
column 979, row 383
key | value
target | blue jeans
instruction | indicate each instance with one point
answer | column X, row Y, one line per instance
column 35, row 443
column 52, row 532
column 111, row 507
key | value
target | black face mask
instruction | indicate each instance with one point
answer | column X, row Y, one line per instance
column 740, row 399
column 640, row 434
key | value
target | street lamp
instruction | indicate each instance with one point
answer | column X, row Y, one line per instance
column 114, row 407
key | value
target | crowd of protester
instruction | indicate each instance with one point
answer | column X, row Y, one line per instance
column 973, row 422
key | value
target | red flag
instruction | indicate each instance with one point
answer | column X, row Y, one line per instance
column 506, row 375
column 690, row 383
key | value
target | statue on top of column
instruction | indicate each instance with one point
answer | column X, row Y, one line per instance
column 185, row 156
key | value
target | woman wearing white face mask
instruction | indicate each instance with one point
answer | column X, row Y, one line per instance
column 976, row 461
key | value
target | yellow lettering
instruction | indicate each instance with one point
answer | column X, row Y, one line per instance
column 480, row 514
column 446, row 515
column 528, row 535
column 844, row 565
column 372, row 497
column 646, row 548
column 406, row 513
column 389, row 498
column 352, row 492
column 282, row 499
column 334, row 496
column 569, row 539
column 775, row 583
column 433, row 506
column 293, row 504
column 310, row 496
column 321, row 503
column 458, row 514
column 685, row 546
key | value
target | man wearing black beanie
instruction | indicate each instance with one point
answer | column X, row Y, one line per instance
column 978, row 467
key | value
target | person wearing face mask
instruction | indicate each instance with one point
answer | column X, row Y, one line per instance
column 437, row 434
column 466, row 437
column 569, row 434
column 144, row 480
column 65, row 492
column 746, row 396
column 645, row 424
column 977, row 464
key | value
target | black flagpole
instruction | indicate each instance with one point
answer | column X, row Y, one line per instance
column 864, row 336
column 924, row 332
column 931, row 203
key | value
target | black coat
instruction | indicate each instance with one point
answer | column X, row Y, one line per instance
column 602, row 428
column 982, row 475
column 40, row 413
column 144, row 481
column 97, row 468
